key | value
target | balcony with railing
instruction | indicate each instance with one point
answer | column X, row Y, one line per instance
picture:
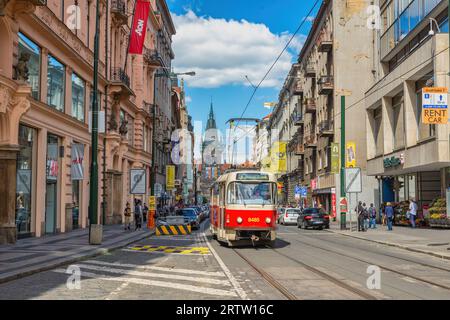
column 148, row 107
column 325, row 45
column 325, row 85
column 310, row 71
column 298, row 88
column 119, row 11
column 151, row 56
column 326, row 128
column 121, row 79
column 310, row 141
column 299, row 148
column 297, row 119
column 310, row 105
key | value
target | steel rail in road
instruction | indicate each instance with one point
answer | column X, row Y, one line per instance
column 320, row 273
column 385, row 267
column 274, row 283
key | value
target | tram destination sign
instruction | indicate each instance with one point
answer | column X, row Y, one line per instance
column 253, row 176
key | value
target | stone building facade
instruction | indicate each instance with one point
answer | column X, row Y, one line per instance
column 46, row 75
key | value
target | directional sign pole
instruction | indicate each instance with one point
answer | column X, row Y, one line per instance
column 343, row 214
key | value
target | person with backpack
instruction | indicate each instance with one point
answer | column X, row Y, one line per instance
column 373, row 216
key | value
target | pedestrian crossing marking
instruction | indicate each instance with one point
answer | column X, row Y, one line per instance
column 171, row 249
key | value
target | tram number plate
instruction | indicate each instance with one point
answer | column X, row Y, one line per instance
column 253, row 219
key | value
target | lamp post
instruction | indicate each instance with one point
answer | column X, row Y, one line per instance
column 95, row 229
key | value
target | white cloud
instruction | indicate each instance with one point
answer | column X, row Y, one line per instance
column 223, row 52
column 188, row 99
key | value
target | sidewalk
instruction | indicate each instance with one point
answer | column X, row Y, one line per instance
column 34, row 255
column 435, row 242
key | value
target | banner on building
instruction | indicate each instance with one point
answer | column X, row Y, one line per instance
column 139, row 27
column 335, row 158
column 278, row 157
column 170, row 177
column 351, row 154
column 76, row 169
column 280, row 187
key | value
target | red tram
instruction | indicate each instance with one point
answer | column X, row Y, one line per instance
column 243, row 208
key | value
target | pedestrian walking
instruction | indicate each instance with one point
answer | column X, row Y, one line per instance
column 145, row 212
column 127, row 215
column 383, row 214
column 373, row 216
column 389, row 213
column 138, row 215
column 412, row 212
column 360, row 214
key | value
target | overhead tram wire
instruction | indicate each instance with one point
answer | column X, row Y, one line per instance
column 278, row 58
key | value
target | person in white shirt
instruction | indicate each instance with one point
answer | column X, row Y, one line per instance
column 412, row 212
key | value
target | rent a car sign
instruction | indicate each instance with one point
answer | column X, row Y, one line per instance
column 435, row 105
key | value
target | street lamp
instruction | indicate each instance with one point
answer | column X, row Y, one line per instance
column 95, row 229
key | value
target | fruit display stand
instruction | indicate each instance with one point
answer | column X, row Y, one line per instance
column 401, row 217
column 438, row 214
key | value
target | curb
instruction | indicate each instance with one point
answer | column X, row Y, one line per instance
column 441, row 256
column 50, row 266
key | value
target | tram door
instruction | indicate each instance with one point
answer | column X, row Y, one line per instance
column 222, row 206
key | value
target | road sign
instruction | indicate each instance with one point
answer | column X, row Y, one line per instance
column 158, row 189
column 335, row 158
column 303, row 192
column 435, row 105
column 152, row 203
column 297, row 192
column 138, row 181
column 351, row 154
column 343, row 205
column 353, row 183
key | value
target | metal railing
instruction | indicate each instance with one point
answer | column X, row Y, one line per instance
column 119, row 75
column 310, row 105
column 325, row 125
column 119, row 6
column 151, row 55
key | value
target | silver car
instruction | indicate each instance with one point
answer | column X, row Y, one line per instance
column 289, row 216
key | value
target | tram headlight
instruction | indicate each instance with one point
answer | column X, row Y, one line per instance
column 239, row 220
column 268, row 220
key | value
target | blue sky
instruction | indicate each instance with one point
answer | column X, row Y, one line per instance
column 225, row 40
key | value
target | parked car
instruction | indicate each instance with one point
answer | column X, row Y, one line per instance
column 280, row 212
column 190, row 216
column 313, row 218
column 290, row 216
column 199, row 211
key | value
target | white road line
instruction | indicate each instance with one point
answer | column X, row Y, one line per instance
column 162, row 252
column 153, row 275
column 165, row 269
column 117, row 291
column 225, row 269
column 155, row 283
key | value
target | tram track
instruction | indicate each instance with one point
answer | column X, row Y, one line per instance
column 383, row 267
column 289, row 295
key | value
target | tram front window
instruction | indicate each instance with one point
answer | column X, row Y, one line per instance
column 251, row 193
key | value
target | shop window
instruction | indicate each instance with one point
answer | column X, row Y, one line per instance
column 399, row 123
column 55, row 82
column 26, row 46
column 24, row 181
column 412, row 186
column 75, row 203
column 78, row 95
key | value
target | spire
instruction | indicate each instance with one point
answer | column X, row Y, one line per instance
column 211, row 124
